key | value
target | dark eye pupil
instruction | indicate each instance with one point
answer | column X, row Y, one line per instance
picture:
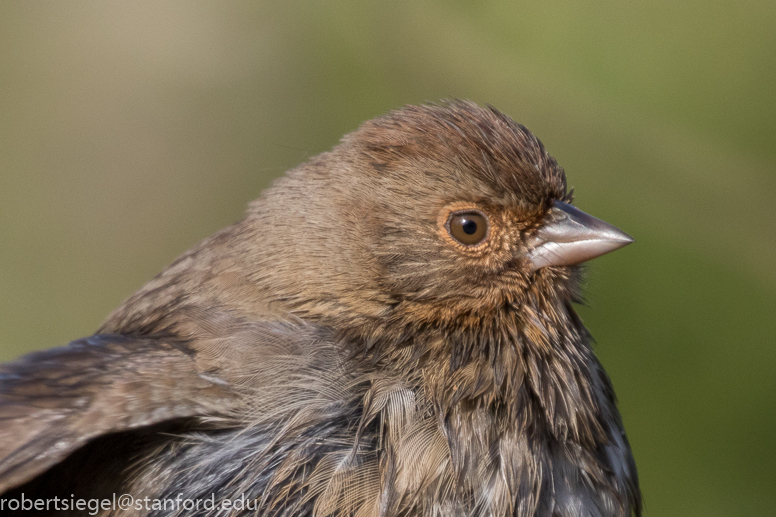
column 469, row 227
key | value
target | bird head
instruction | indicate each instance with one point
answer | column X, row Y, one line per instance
column 430, row 215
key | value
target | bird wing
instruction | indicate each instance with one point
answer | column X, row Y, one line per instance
column 53, row 402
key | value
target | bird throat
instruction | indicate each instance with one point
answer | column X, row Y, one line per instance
column 528, row 366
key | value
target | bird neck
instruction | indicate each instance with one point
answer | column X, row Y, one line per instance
column 521, row 364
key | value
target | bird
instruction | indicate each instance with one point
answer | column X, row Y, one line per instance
column 389, row 331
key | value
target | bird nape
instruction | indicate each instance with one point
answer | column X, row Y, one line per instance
column 389, row 331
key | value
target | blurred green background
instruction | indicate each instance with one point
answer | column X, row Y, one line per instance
column 131, row 130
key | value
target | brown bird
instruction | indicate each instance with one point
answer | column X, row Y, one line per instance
column 389, row 331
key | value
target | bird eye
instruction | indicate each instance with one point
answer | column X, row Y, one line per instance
column 468, row 228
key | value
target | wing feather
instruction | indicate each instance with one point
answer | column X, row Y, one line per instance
column 55, row 401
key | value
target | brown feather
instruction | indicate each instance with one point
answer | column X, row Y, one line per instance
column 339, row 353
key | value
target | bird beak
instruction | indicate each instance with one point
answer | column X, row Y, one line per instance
column 570, row 236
